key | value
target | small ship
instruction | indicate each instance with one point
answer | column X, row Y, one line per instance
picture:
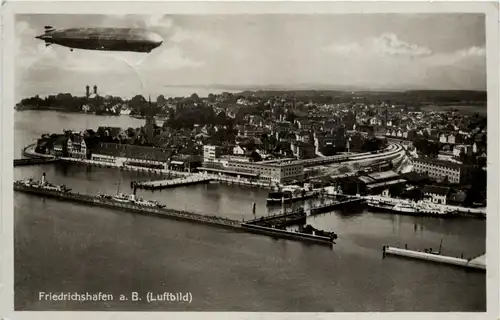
column 132, row 199
column 290, row 194
column 43, row 185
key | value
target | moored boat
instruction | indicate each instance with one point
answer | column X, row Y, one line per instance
column 42, row 184
column 289, row 194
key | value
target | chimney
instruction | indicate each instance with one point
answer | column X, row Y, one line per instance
column 87, row 91
column 43, row 178
column 95, row 89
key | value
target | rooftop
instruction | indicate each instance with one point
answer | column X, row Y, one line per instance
column 132, row 151
column 436, row 190
column 439, row 162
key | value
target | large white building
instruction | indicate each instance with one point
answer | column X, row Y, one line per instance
column 211, row 152
column 438, row 169
column 281, row 171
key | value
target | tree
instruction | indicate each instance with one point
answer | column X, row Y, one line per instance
column 194, row 97
column 137, row 104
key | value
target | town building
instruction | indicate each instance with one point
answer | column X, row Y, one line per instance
column 125, row 154
column 302, row 150
column 77, row 148
column 436, row 194
column 60, row 146
column 380, row 182
column 439, row 169
column 282, row 171
column 211, row 152
column 185, row 163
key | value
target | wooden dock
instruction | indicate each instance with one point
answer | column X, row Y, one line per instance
column 170, row 183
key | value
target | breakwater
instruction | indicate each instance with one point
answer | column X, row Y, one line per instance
column 33, row 161
column 101, row 202
column 293, row 235
column 170, row 213
column 299, row 216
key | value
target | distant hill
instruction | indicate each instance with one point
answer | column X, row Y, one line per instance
column 402, row 97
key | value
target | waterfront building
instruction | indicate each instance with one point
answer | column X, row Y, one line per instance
column 211, row 152
column 283, row 171
column 379, row 182
column 439, row 169
column 124, row 154
column 436, row 194
column 184, row 163
column 76, row 146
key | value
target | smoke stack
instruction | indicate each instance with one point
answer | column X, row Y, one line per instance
column 43, row 178
column 87, row 91
column 95, row 89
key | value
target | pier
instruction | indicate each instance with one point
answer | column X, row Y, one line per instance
column 279, row 233
column 175, row 214
column 473, row 263
column 298, row 216
column 34, row 161
column 101, row 202
column 339, row 201
column 170, row 183
column 280, row 220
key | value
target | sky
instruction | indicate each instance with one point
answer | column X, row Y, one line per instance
column 209, row 52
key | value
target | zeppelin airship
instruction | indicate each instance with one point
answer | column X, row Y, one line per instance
column 109, row 39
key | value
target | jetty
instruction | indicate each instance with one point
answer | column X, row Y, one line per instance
column 339, row 201
column 299, row 216
column 174, row 214
column 34, row 161
column 478, row 262
column 292, row 235
column 281, row 219
column 170, row 183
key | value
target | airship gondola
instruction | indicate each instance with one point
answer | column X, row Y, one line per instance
column 108, row 39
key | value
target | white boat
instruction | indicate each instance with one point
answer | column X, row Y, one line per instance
column 405, row 208
column 127, row 198
column 132, row 199
column 124, row 112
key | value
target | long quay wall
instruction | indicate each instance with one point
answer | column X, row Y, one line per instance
column 33, row 161
column 97, row 201
column 171, row 213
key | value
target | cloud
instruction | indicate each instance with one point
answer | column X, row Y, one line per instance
column 473, row 52
column 390, row 44
column 173, row 58
column 462, row 58
column 181, row 35
column 387, row 60
column 386, row 45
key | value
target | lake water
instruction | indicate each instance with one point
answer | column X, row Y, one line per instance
column 66, row 247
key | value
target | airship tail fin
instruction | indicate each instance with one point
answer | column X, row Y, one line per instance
column 49, row 29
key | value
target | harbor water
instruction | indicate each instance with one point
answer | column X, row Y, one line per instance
column 66, row 247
